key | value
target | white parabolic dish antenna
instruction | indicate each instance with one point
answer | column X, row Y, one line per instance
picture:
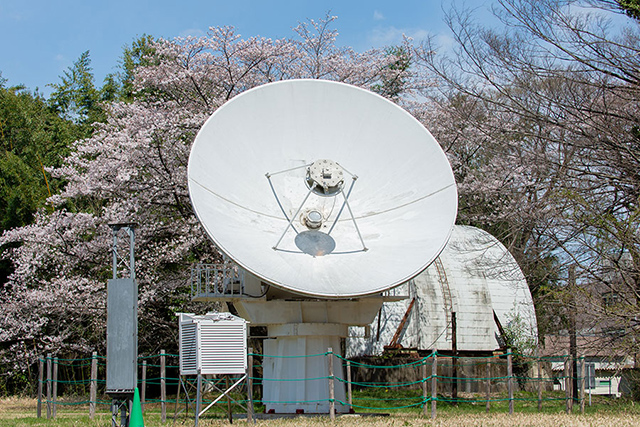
column 322, row 188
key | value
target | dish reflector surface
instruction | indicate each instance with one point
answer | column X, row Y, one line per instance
column 322, row 188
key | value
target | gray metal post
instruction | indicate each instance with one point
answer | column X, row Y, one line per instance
column 175, row 407
column 55, row 387
column 48, row 385
column 454, row 358
column 250, row 415
column 143, row 385
column 122, row 312
column 434, row 383
column 124, row 419
column 132, row 260
column 114, row 253
column 349, row 388
column 198, row 397
column 510, row 379
column 573, row 344
column 93, row 386
column 567, row 384
column 582, row 383
column 423, row 368
column 488, row 383
column 332, row 396
column 539, row 379
column 40, row 380
column 229, row 413
column 114, row 413
column 163, row 386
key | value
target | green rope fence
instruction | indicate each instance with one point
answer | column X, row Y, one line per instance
column 371, row 387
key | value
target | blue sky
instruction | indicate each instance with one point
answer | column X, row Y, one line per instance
column 39, row 39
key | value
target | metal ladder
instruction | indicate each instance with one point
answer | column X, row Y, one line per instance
column 446, row 296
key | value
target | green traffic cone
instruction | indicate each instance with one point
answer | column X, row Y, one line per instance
column 135, row 420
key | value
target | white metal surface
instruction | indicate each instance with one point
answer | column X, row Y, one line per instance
column 479, row 276
column 298, row 330
column 302, row 357
column 403, row 203
column 215, row 343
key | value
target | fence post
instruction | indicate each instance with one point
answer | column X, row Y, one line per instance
column 454, row 358
column 539, row 379
column 488, row 384
column 510, row 379
column 567, row 383
column 250, row 417
column 582, row 383
column 93, row 385
column 48, row 385
column 434, row 383
column 332, row 402
column 424, row 386
column 143, row 385
column 40, row 379
column 163, row 386
column 349, row 389
column 55, row 387
column 226, row 387
column 198, row 396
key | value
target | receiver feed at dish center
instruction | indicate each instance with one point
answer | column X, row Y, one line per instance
column 324, row 178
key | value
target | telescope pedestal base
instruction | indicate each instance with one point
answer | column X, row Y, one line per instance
column 296, row 365
column 296, row 374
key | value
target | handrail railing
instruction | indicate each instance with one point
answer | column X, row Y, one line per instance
column 217, row 281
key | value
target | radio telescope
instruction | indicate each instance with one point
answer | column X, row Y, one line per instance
column 326, row 195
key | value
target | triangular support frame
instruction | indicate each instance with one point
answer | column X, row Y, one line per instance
column 196, row 404
column 345, row 203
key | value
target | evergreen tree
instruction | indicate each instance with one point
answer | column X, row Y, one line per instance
column 76, row 98
column 630, row 7
column 141, row 53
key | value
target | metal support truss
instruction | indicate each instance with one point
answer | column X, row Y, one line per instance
column 195, row 402
column 121, row 405
column 123, row 259
column 291, row 220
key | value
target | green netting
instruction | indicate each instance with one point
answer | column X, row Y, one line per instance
column 400, row 388
column 57, row 402
column 295, row 379
column 294, row 357
column 295, row 401
column 419, row 404
column 472, row 357
column 473, row 379
column 380, row 384
column 364, row 365
column 65, row 360
column 88, row 381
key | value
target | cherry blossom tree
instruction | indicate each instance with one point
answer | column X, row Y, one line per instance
column 133, row 168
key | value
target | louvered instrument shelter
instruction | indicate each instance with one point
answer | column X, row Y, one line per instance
column 215, row 343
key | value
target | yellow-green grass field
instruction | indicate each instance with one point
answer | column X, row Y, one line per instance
column 20, row 411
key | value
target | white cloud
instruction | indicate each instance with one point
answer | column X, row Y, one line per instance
column 192, row 32
column 385, row 36
column 377, row 15
column 445, row 42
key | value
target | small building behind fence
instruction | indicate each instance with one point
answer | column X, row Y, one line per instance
column 475, row 284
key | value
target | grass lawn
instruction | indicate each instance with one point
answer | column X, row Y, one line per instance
column 21, row 411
